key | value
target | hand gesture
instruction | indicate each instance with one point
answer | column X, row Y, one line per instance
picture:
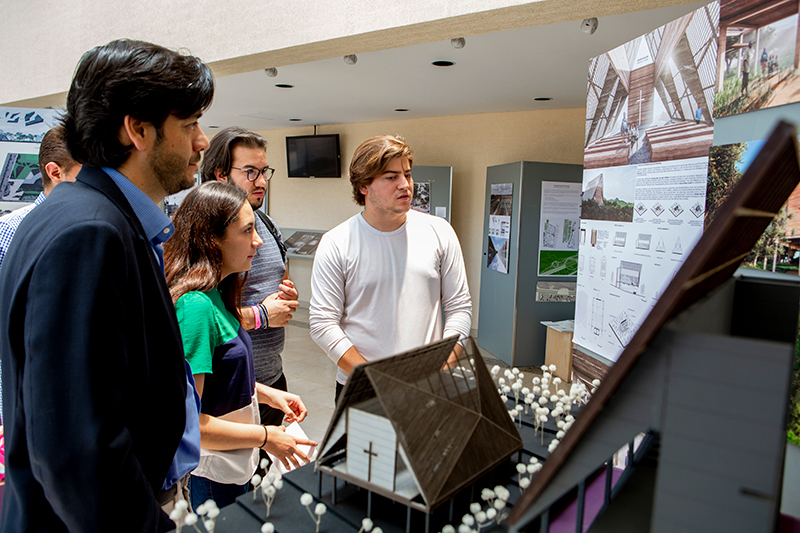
column 279, row 310
column 285, row 447
column 289, row 403
column 287, row 290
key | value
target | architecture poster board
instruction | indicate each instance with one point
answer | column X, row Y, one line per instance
column 500, row 226
column 559, row 223
column 757, row 68
column 648, row 133
column 624, row 265
column 21, row 131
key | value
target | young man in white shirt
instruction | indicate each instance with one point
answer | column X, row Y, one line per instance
column 382, row 278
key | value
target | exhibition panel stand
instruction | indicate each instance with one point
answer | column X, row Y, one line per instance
column 510, row 314
column 433, row 187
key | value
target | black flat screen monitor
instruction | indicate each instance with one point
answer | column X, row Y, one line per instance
column 313, row 156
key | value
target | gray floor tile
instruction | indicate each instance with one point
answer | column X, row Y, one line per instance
column 312, row 376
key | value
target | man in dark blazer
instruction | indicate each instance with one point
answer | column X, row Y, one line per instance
column 94, row 380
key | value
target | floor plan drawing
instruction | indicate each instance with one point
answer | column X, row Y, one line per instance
column 549, row 235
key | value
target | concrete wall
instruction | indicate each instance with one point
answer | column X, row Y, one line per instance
column 468, row 143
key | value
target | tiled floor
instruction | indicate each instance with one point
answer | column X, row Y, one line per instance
column 312, row 375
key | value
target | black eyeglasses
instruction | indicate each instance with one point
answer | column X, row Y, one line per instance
column 254, row 173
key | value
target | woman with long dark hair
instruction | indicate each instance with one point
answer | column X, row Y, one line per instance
column 206, row 262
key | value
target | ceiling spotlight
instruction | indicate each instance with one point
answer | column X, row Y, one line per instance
column 350, row 59
column 458, row 43
column 271, row 72
column 589, row 25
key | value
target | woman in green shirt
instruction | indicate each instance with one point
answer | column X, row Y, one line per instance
column 206, row 262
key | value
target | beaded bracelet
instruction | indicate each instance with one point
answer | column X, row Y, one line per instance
column 256, row 317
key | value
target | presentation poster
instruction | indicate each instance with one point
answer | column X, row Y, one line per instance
column 499, row 226
column 21, row 131
column 626, row 263
column 560, row 227
column 649, row 128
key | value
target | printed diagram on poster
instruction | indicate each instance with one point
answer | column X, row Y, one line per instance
column 21, row 131
column 631, row 260
column 560, row 226
column 555, row 291
column 757, row 68
column 422, row 197
column 649, row 127
column 499, row 226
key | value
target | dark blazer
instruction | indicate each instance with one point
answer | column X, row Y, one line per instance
column 93, row 375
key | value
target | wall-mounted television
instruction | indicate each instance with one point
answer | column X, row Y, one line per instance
column 313, row 156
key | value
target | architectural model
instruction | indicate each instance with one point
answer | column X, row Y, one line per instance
column 415, row 432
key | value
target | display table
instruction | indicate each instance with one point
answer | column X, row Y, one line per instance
column 347, row 504
column 558, row 347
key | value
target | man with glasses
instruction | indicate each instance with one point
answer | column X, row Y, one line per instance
column 239, row 157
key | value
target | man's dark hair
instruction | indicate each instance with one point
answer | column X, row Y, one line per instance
column 219, row 154
column 124, row 77
column 54, row 150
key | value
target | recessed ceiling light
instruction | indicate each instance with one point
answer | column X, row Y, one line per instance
column 401, row 109
column 295, row 119
column 283, row 86
column 212, row 127
column 443, row 63
column 543, row 99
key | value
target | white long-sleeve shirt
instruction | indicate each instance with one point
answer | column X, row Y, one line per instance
column 383, row 292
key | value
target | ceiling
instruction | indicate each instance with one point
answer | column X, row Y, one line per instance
column 494, row 72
